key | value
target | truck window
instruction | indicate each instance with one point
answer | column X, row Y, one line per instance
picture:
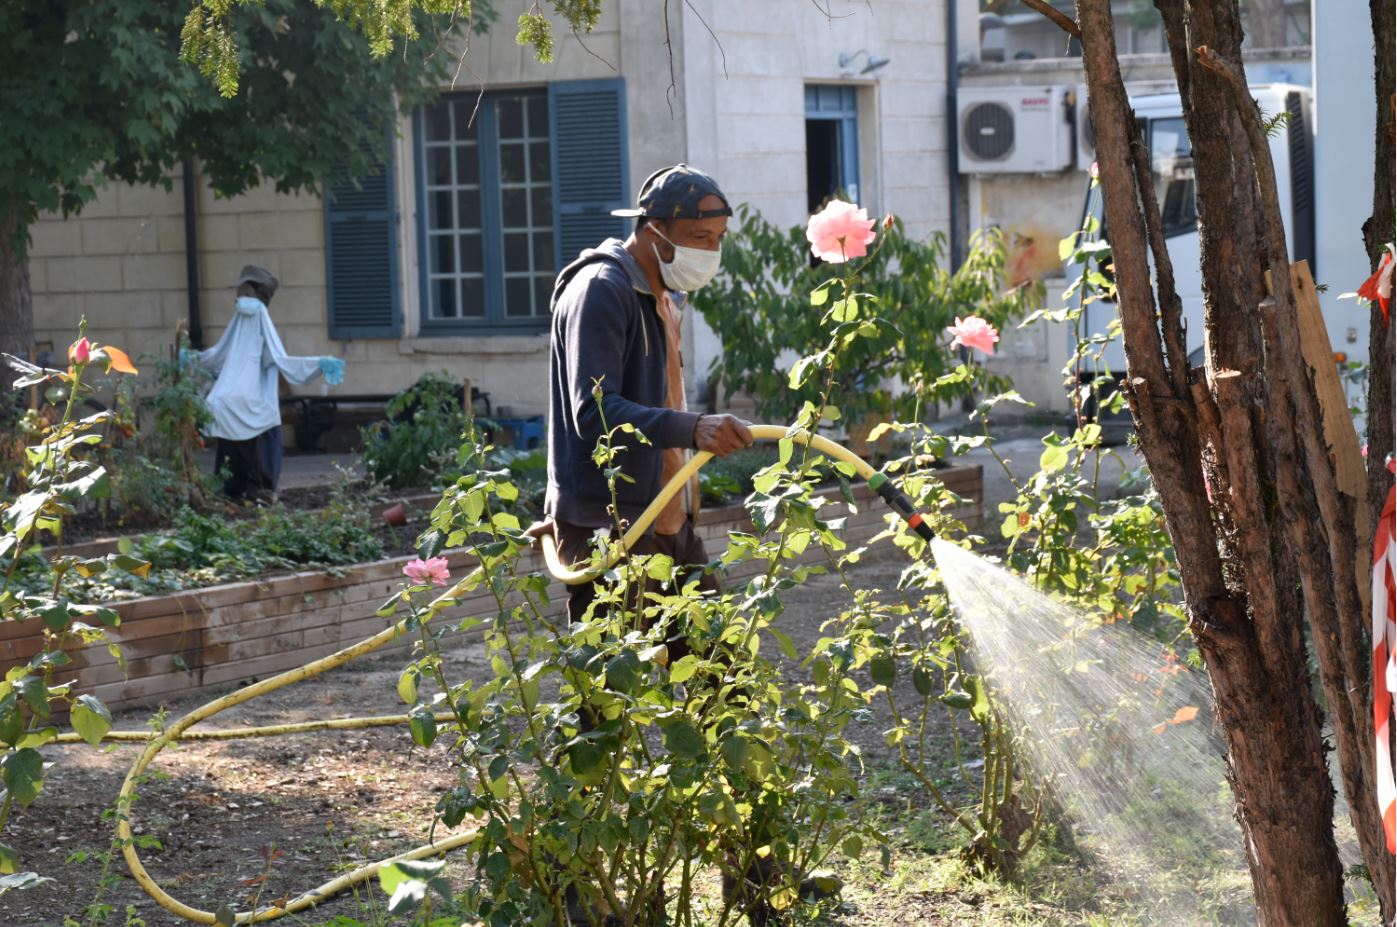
column 1171, row 161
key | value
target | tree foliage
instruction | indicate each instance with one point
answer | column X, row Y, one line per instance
column 211, row 39
column 97, row 90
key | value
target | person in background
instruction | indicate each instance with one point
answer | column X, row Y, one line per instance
column 247, row 361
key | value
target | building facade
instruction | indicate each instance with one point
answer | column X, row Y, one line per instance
column 445, row 259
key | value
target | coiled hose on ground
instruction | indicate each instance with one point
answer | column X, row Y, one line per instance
column 566, row 574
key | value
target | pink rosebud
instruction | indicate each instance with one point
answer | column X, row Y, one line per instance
column 973, row 332
column 839, row 232
column 1095, row 170
column 80, row 352
column 888, row 222
column 1364, row 449
column 432, row 571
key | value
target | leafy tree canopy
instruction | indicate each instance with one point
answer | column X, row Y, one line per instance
column 96, row 89
column 211, row 37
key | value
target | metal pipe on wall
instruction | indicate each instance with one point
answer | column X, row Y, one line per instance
column 952, row 134
column 191, row 252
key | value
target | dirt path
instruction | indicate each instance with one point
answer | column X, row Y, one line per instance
column 325, row 801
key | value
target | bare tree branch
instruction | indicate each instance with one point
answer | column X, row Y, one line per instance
column 1059, row 18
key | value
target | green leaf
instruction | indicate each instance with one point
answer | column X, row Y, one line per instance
column 980, row 706
column 36, row 694
column 9, row 860
column 683, row 739
column 11, row 719
column 23, row 774
column 406, row 893
column 55, row 615
column 852, row 846
column 958, row 698
column 91, row 719
column 819, row 296
column 624, row 671
column 37, row 737
column 683, row 668
column 921, row 681
column 588, row 761
column 431, row 543
column 1053, row 459
column 408, row 681
column 883, row 670
column 735, row 750
column 422, row 725
column 132, row 565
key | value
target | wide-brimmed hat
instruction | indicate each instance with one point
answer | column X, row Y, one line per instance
column 260, row 276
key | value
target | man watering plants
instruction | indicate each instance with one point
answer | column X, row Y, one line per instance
column 616, row 330
column 247, row 362
column 616, row 321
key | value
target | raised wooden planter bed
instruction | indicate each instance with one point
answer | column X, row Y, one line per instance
column 221, row 636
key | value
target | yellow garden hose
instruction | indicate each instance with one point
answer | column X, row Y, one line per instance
column 564, row 573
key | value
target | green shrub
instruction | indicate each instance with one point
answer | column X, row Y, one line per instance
column 419, row 444
column 604, row 765
column 760, row 307
column 204, row 550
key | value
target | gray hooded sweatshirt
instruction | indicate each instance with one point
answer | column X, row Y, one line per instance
column 605, row 328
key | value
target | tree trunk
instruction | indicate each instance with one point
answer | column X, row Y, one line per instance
column 1280, row 542
column 16, row 300
column 1377, row 233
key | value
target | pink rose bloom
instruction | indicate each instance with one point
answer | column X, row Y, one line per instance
column 973, row 332
column 840, row 231
column 432, row 571
column 81, row 351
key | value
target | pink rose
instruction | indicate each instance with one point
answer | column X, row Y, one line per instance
column 432, row 571
column 973, row 332
column 840, row 231
column 80, row 352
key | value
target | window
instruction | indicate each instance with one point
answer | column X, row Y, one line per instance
column 511, row 186
column 831, row 143
column 487, row 178
column 1171, row 162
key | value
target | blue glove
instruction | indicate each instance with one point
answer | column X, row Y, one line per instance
column 188, row 356
column 333, row 368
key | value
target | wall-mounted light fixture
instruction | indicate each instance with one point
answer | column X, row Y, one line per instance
column 846, row 62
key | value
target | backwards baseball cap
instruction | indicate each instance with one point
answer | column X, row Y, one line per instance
column 260, row 276
column 674, row 193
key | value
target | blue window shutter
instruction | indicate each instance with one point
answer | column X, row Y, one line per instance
column 361, row 254
column 591, row 170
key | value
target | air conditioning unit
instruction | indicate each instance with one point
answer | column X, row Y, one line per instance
column 1086, row 135
column 1014, row 130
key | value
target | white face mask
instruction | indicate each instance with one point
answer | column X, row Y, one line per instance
column 249, row 305
column 691, row 268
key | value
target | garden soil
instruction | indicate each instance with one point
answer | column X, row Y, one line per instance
column 269, row 818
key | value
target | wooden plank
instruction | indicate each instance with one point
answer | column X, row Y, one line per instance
column 1339, row 433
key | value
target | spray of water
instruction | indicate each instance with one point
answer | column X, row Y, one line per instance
column 1122, row 732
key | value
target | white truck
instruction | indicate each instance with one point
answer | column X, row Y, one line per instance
column 1293, row 153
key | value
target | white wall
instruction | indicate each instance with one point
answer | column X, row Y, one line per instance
column 745, row 106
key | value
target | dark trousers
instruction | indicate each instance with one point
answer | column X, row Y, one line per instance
column 252, row 464
column 684, row 547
